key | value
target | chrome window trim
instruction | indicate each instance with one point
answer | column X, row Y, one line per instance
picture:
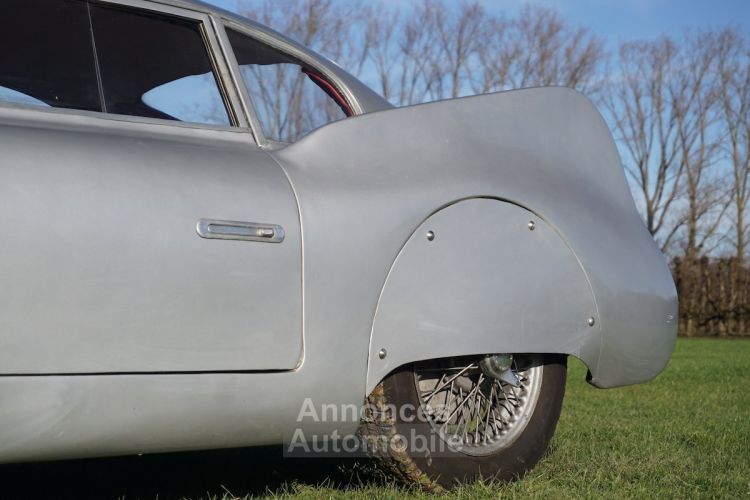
column 227, row 84
column 17, row 113
column 246, row 104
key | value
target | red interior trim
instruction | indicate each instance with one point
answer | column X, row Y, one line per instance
column 329, row 89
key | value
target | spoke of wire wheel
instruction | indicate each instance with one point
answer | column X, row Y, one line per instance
column 461, row 418
column 492, row 413
column 448, row 395
column 442, row 377
column 505, row 397
column 504, row 402
column 461, row 404
column 443, row 369
column 515, row 397
column 472, row 409
column 510, row 398
column 495, row 417
column 489, row 412
column 478, row 404
column 478, row 413
column 498, row 423
column 431, row 395
column 459, row 407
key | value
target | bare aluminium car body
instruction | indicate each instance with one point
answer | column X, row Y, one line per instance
column 496, row 223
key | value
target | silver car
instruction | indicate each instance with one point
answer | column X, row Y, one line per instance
column 213, row 237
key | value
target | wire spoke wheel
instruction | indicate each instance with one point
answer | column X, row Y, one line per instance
column 489, row 417
column 473, row 412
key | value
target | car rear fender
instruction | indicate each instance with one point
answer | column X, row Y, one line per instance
column 483, row 276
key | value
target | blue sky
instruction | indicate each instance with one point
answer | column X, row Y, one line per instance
column 623, row 19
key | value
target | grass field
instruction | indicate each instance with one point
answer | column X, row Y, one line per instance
column 685, row 435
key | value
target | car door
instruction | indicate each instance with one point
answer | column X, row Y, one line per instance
column 143, row 230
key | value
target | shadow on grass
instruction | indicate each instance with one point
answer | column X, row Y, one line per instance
column 256, row 471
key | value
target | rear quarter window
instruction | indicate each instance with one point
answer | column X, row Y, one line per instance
column 290, row 99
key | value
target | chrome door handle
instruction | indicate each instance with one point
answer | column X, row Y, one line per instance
column 244, row 231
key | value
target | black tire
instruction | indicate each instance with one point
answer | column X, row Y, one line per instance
column 448, row 468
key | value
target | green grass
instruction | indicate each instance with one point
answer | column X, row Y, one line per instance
column 685, row 435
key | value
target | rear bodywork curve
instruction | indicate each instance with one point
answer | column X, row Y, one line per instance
column 365, row 184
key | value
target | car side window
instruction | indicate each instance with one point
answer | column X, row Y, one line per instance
column 46, row 55
column 155, row 66
column 289, row 98
column 101, row 57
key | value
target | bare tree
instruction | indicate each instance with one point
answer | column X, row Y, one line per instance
column 381, row 32
column 734, row 78
column 433, row 51
column 734, row 84
column 645, row 124
column 459, row 37
column 694, row 91
column 324, row 25
column 539, row 48
column 418, row 48
column 402, row 51
column 494, row 57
